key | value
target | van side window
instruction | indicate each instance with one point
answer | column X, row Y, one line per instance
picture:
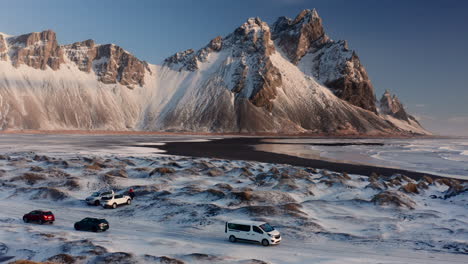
column 257, row 230
column 238, row 227
column 245, row 228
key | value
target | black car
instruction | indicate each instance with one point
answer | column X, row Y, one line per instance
column 92, row 224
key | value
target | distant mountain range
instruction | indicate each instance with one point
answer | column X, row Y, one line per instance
column 289, row 77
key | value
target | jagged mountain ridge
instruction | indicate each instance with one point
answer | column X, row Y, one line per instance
column 287, row 78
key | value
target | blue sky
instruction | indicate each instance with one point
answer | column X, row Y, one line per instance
column 417, row 49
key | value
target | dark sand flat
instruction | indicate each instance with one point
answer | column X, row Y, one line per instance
column 244, row 149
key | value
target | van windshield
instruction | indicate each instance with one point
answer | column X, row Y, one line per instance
column 267, row 227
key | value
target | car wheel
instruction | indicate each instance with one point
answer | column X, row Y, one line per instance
column 114, row 205
column 25, row 220
column 232, row 239
column 96, row 203
column 129, row 201
column 77, row 227
column 41, row 222
column 95, row 229
column 265, row 242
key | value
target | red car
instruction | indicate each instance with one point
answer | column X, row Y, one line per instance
column 39, row 216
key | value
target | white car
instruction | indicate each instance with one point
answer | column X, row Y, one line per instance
column 95, row 198
column 115, row 200
column 253, row 231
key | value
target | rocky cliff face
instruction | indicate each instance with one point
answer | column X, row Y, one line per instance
column 40, row 50
column 111, row 63
column 254, row 76
column 3, row 48
column 391, row 105
column 297, row 37
column 305, row 43
column 82, row 54
column 37, row 50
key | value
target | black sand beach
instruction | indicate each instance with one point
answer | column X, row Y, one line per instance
column 243, row 149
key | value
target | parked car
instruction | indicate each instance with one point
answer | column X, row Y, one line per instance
column 92, row 224
column 95, row 198
column 39, row 216
column 252, row 231
column 115, row 200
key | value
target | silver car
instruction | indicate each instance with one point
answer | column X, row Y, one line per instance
column 95, row 198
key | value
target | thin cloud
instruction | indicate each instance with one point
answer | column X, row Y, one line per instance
column 458, row 120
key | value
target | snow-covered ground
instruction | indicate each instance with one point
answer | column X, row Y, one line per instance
column 446, row 157
column 182, row 204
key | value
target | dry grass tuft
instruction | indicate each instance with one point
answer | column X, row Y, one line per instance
column 410, row 188
column 215, row 172
column 94, row 166
column 23, row 261
column 428, row 179
column 162, row 171
column 29, row 178
column 394, row 198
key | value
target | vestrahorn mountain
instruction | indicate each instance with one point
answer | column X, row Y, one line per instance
column 289, row 77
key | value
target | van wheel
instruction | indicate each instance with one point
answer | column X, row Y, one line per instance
column 232, row 239
column 114, row 205
column 265, row 243
column 129, row 201
column 96, row 203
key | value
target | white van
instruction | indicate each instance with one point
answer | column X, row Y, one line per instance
column 252, row 231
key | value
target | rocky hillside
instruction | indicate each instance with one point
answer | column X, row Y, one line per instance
column 289, row 77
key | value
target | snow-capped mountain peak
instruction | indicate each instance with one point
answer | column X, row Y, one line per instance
column 289, row 78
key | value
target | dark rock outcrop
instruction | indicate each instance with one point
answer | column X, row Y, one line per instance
column 350, row 81
column 333, row 63
column 251, row 41
column 190, row 59
column 296, row 37
column 391, row 105
column 3, row 48
column 111, row 63
column 37, row 50
column 82, row 54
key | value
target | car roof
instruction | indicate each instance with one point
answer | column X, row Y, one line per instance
column 41, row 211
column 93, row 219
column 246, row 222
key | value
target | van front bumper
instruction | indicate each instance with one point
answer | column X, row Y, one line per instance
column 275, row 241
